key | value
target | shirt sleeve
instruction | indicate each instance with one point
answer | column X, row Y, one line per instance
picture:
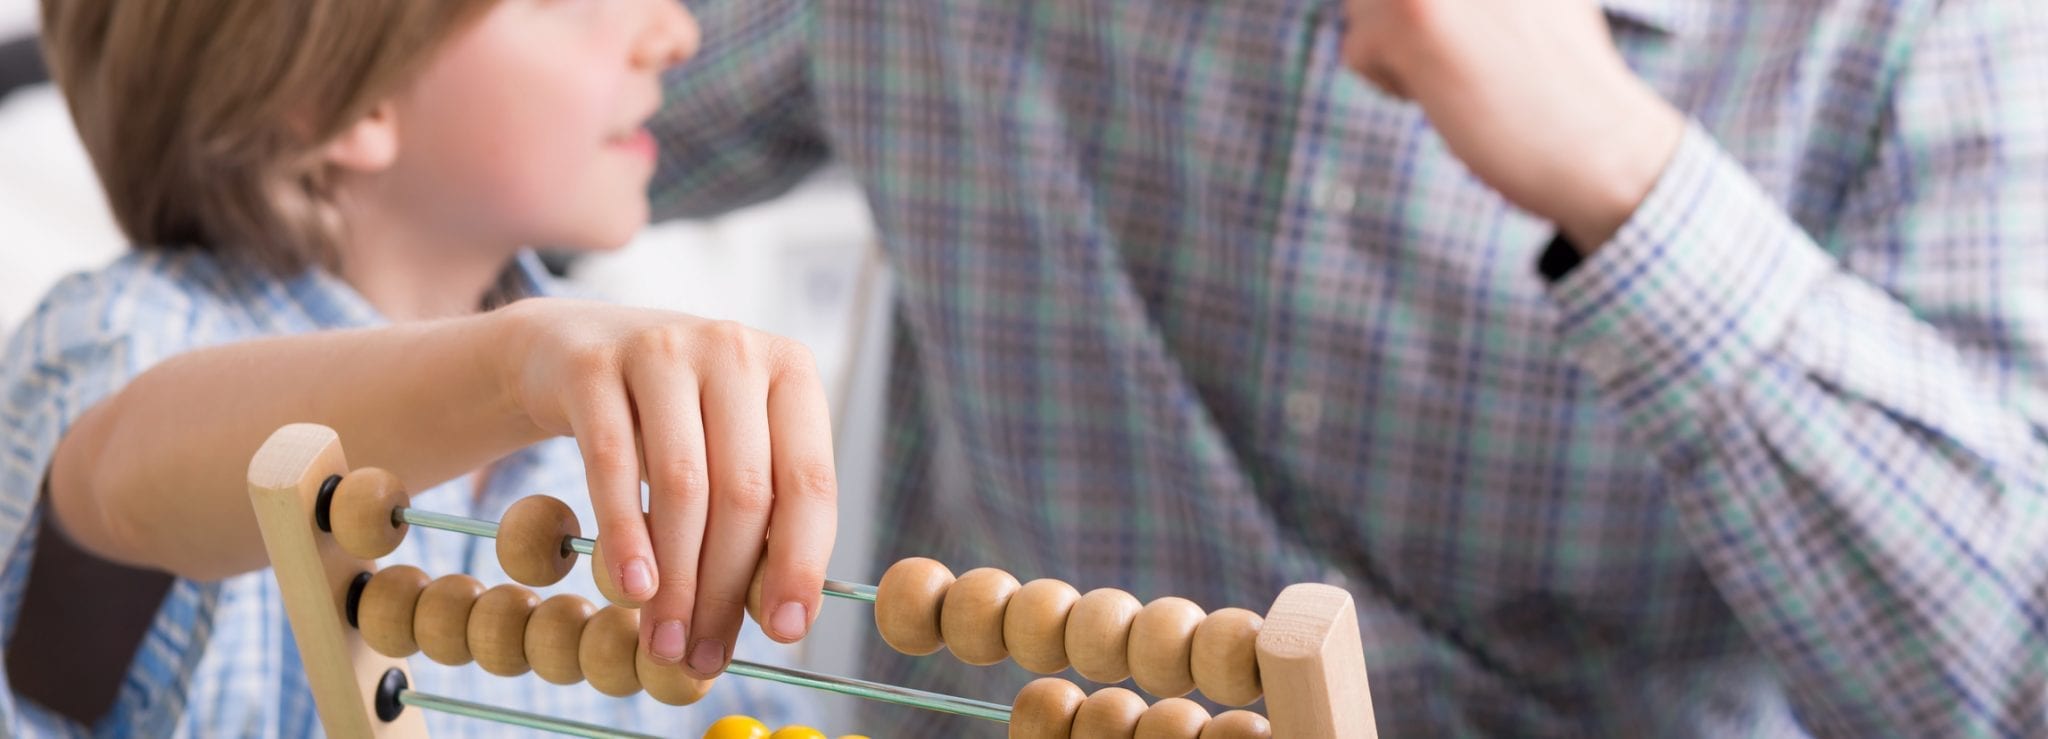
column 1855, row 426
column 740, row 123
column 91, row 335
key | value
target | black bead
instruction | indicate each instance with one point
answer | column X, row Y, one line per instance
column 355, row 598
column 388, row 689
column 325, row 502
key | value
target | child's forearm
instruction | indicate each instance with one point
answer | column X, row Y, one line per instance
column 156, row 475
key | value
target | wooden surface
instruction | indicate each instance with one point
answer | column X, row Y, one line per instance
column 1225, row 660
column 907, row 605
column 1109, row 713
column 1162, row 644
column 668, row 683
column 1238, row 725
column 1035, row 625
column 1099, row 632
column 384, row 614
column 971, row 620
column 1045, row 709
column 553, row 634
column 313, row 575
column 1313, row 666
column 1173, row 718
column 360, row 513
column 531, row 538
column 441, row 621
column 606, row 651
column 497, row 629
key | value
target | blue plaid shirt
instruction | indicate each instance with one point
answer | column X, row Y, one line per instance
column 1189, row 309
column 218, row 660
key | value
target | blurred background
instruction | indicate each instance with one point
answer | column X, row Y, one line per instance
column 804, row 266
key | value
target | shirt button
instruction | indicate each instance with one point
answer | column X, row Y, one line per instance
column 1335, row 196
column 1304, row 412
column 1603, row 357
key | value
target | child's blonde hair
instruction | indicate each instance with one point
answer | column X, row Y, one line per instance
column 204, row 118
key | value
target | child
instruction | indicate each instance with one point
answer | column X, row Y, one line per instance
column 329, row 197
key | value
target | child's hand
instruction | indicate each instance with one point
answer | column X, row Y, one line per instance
column 728, row 425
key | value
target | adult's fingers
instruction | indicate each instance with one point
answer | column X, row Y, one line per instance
column 665, row 396
column 805, row 516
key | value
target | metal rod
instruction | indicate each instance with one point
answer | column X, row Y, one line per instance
column 459, row 707
column 883, row 692
column 445, row 522
column 874, row 691
column 580, row 545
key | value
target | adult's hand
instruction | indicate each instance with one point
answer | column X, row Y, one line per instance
column 1531, row 95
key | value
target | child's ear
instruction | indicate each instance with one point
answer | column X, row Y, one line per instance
column 368, row 145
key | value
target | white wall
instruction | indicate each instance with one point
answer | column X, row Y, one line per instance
column 17, row 17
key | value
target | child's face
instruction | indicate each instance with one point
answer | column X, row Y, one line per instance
column 526, row 128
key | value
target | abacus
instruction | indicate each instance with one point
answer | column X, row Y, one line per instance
column 325, row 525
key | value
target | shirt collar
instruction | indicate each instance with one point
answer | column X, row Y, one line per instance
column 331, row 303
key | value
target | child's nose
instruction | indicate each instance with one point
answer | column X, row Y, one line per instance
column 670, row 36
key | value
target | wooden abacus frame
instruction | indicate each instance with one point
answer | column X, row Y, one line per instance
column 1309, row 656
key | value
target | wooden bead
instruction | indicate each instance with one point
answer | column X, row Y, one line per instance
column 1226, row 657
column 1173, row 718
column 1035, row 625
column 553, row 635
column 1098, row 634
column 754, row 593
column 602, row 574
column 1045, row 709
column 531, row 540
column 1238, row 725
column 497, row 629
column 441, row 622
column 384, row 614
column 668, row 683
column 606, row 651
column 360, row 513
column 907, row 605
column 1162, row 639
column 971, row 621
column 1110, row 713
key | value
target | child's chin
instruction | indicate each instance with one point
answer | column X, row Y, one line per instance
column 607, row 240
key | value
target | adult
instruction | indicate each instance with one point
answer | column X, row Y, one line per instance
column 1661, row 368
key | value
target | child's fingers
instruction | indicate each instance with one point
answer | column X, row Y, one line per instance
column 806, row 512
column 742, row 491
column 603, row 424
column 672, row 447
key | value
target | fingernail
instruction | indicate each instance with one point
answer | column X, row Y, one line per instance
column 636, row 579
column 668, row 640
column 789, row 621
column 707, row 656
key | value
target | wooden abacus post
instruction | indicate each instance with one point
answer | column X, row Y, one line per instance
column 1313, row 665
column 314, row 574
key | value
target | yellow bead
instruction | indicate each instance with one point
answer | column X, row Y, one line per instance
column 798, row 732
column 737, row 727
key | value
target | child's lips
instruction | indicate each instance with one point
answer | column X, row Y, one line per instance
column 639, row 142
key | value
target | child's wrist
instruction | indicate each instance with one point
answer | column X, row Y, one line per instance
column 506, row 338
